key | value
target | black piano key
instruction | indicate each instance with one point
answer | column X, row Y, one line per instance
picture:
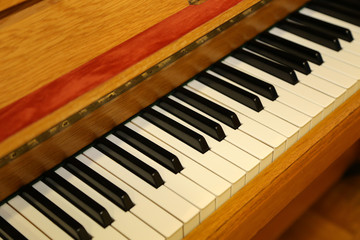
column 335, row 10
column 280, row 56
column 263, row 88
column 216, row 111
column 179, row 131
column 325, row 27
column 355, row 4
column 311, row 34
column 278, row 70
column 99, row 183
column 246, row 98
column 200, row 122
column 54, row 213
column 78, row 199
column 128, row 161
column 8, row 232
column 342, row 6
column 292, row 47
column 150, row 149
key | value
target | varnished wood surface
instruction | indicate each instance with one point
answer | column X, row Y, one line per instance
column 267, row 194
column 5, row 4
column 72, row 33
column 33, row 106
column 325, row 181
column 73, row 138
column 249, row 210
column 336, row 215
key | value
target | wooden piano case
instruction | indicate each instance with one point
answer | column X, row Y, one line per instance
column 72, row 70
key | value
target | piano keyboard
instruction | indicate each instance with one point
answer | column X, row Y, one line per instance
column 168, row 168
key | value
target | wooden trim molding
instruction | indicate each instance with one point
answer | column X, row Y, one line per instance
column 31, row 108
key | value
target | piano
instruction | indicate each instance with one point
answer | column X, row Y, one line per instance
column 101, row 115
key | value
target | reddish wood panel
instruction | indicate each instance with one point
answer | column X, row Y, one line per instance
column 56, row 94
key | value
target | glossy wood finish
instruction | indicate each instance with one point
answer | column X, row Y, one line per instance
column 57, row 93
column 296, row 208
column 336, row 215
column 257, row 203
column 72, row 33
column 72, row 106
column 81, row 134
column 5, row 4
column 254, row 206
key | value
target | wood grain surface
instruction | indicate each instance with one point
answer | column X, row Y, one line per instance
column 81, row 134
column 336, row 215
column 4, row 4
column 246, row 213
column 315, row 191
column 60, row 91
column 71, row 107
column 53, row 42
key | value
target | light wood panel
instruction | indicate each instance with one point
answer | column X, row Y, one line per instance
column 67, row 142
column 57, row 39
column 47, row 122
column 266, row 194
column 4, row 4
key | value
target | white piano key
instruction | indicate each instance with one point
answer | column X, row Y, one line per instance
column 321, row 16
column 347, row 57
column 202, row 176
column 325, row 101
column 300, row 104
column 292, row 116
column 311, row 109
column 355, row 30
column 183, row 186
column 187, row 213
column 255, row 129
column 144, row 208
column 319, row 80
column 339, row 66
column 20, row 223
column 348, row 70
column 339, row 62
column 350, row 47
column 240, row 139
column 38, row 219
column 286, row 129
column 93, row 228
column 332, row 77
column 324, row 80
column 302, row 121
column 209, row 160
column 342, row 57
column 125, row 222
column 323, row 83
column 224, row 149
